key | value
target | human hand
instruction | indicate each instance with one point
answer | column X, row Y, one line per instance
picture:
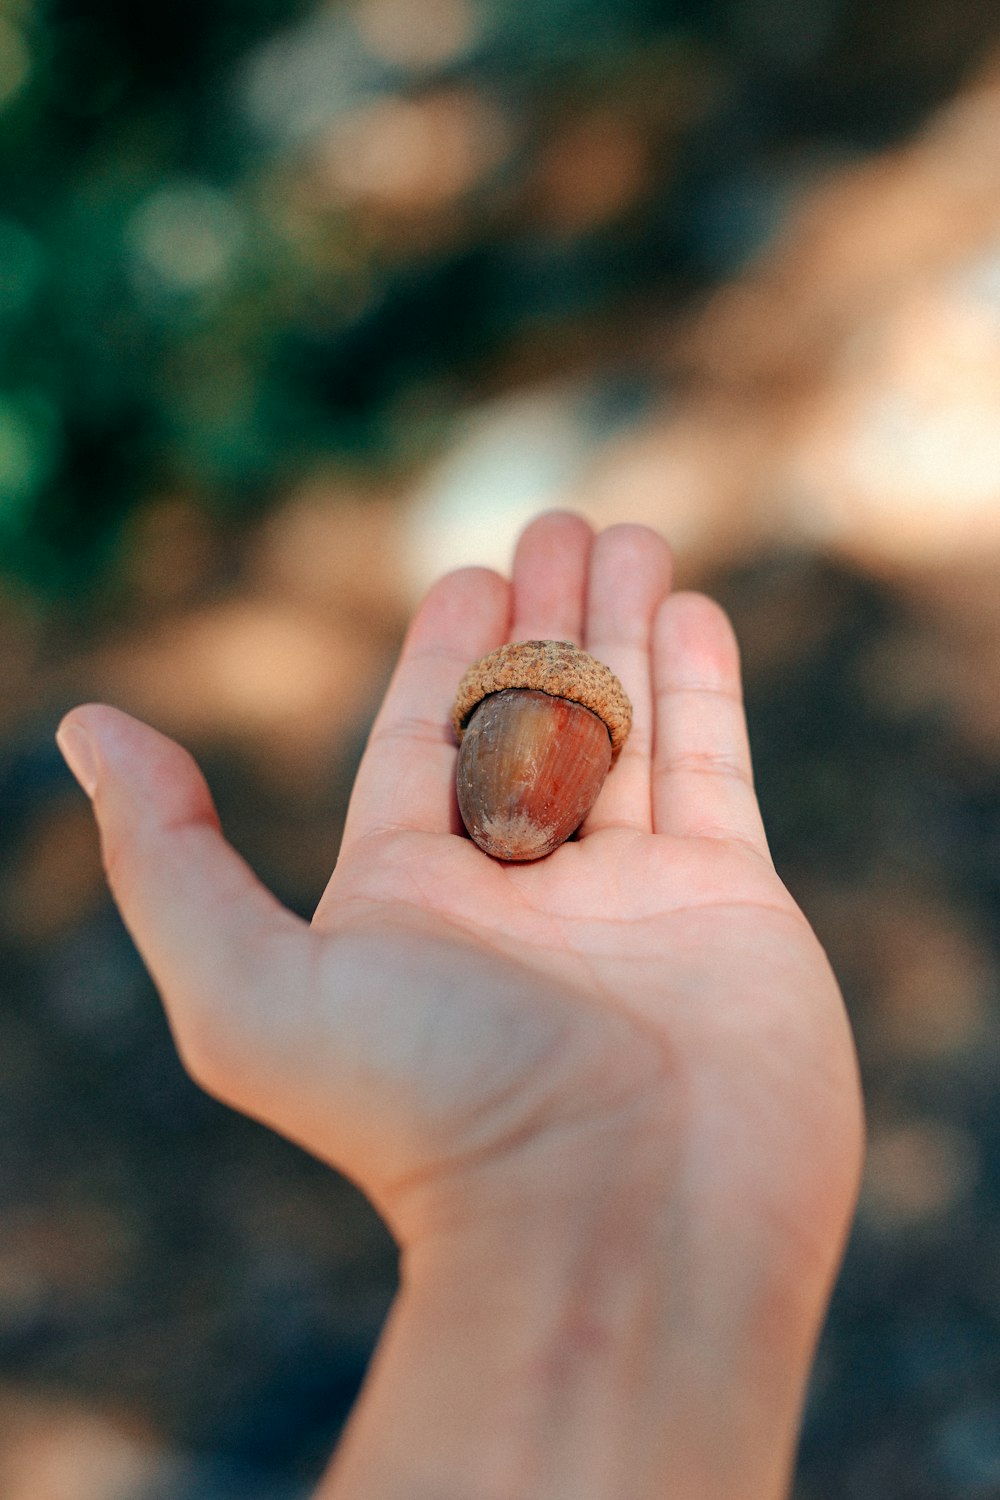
column 615, row 1086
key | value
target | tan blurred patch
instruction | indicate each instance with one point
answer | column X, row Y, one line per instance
column 867, row 236
column 591, row 171
column 20, row 658
column 908, row 672
column 842, row 391
column 790, row 625
column 843, row 394
column 409, row 157
column 61, row 1450
column 957, row 601
column 899, row 459
column 925, row 972
column 917, row 1172
column 934, row 977
column 415, row 37
column 58, row 1252
column 57, row 879
column 334, row 547
column 168, row 550
column 947, row 666
column 703, row 478
column 280, row 682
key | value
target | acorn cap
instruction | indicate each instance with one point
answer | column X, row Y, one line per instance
column 555, row 667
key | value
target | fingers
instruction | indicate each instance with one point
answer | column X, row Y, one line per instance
column 702, row 779
column 406, row 777
column 550, row 578
column 209, row 932
column 629, row 575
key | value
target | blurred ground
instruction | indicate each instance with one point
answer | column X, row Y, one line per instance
column 807, row 406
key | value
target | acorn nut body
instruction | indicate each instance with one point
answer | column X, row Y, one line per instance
column 539, row 724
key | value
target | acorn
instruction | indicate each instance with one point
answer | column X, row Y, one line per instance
column 539, row 724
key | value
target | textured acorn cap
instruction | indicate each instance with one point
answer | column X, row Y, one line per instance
column 555, row 667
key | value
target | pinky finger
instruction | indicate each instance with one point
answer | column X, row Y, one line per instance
column 702, row 774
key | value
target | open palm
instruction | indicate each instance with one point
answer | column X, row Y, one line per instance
column 646, row 1006
column 663, row 928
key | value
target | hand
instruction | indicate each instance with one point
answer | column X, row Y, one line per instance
column 616, row 1085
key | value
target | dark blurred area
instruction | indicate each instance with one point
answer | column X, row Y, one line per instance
column 301, row 304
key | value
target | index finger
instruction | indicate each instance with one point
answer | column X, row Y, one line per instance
column 407, row 773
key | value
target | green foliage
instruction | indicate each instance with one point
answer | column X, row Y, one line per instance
column 191, row 300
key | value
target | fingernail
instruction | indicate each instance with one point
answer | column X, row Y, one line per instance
column 78, row 753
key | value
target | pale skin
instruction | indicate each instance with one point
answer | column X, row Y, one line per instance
column 607, row 1102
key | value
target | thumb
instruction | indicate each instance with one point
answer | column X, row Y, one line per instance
column 211, row 936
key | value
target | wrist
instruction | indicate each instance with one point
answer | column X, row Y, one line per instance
column 596, row 1353
column 611, row 1372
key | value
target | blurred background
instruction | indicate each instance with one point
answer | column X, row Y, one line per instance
column 303, row 303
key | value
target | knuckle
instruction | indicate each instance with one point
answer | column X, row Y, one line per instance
column 706, row 763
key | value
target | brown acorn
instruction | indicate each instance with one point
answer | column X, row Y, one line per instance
column 539, row 724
